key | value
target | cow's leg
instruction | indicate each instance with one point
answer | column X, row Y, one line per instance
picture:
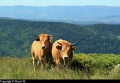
column 33, row 58
column 38, row 63
column 34, row 62
column 49, row 62
column 58, row 64
column 42, row 62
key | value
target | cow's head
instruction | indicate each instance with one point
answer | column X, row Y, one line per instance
column 65, row 48
column 44, row 39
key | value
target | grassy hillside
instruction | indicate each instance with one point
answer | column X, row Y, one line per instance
column 93, row 66
column 16, row 36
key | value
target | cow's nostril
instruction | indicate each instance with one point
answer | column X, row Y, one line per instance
column 66, row 57
column 43, row 47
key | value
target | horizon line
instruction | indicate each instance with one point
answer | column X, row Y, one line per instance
column 60, row 5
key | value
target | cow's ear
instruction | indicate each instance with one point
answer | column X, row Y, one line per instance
column 73, row 47
column 59, row 47
column 50, row 38
column 37, row 38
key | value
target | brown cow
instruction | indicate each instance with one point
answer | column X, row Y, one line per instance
column 62, row 52
column 41, row 49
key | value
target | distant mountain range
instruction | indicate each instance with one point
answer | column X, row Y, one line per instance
column 72, row 14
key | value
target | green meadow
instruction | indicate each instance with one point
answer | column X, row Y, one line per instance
column 84, row 66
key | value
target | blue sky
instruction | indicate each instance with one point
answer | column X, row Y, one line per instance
column 60, row 2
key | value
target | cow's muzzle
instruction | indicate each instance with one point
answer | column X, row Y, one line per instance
column 43, row 47
column 65, row 57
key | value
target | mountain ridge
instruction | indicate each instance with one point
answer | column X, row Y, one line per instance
column 62, row 13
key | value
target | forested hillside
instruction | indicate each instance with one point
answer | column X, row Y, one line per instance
column 16, row 36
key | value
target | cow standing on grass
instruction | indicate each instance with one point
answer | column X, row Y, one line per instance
column 41, row 50
column 62, row 52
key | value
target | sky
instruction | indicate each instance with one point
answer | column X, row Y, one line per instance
column 59, row 2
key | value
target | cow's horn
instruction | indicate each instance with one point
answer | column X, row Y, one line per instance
column 73, row 44
column 59, row 43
